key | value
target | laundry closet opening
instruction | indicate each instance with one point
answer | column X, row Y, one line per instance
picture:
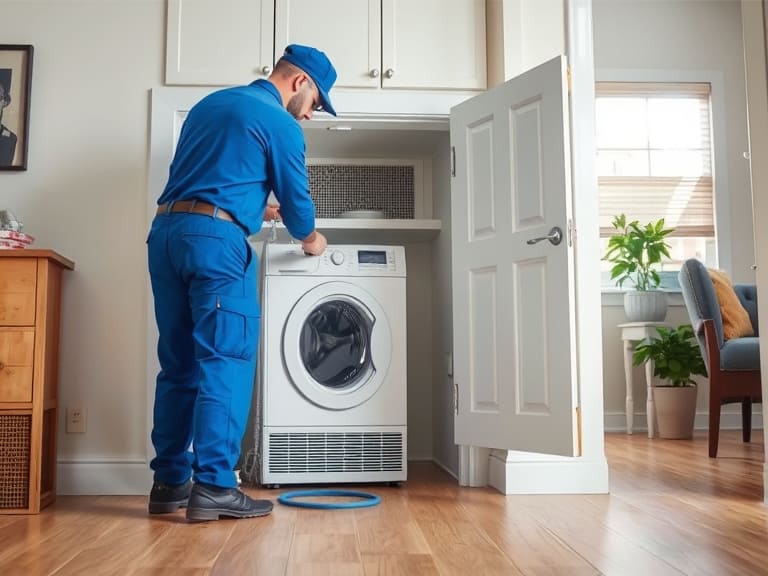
column 392, row 179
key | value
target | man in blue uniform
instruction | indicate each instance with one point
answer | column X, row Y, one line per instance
column 236, row 145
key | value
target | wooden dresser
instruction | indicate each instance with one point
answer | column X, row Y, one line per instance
column 30, row 303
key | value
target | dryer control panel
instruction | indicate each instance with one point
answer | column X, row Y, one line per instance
column 337, row 260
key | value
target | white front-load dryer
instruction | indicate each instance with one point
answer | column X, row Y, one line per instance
column 333, row 365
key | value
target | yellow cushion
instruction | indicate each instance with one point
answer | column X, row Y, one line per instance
column 736, row 322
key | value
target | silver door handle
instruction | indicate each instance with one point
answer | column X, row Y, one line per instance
column 555, row 236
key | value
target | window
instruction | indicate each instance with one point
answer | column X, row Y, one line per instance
column 654, row 160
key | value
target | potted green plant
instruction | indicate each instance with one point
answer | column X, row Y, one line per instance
column 676, row 358
column 636, row 253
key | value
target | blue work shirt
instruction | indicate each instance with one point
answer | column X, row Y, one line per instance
column 236, row 145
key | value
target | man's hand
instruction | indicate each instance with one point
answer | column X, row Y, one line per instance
column 314, row 244
column 272, row 212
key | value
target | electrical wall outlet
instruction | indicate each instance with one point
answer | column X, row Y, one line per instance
column 75, row 420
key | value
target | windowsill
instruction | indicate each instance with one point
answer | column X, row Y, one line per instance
column 615, row 296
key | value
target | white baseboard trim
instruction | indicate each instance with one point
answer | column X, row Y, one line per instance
column 521, row 473
column 120, row 477
column 765, row 482
column 566, row 476
column 103, row 478
column 617, row 421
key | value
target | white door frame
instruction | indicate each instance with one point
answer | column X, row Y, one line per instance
column 525, row 473
column 754, row 23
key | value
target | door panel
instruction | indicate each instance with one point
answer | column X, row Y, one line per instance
column 482, row 207
column 514, row 364
column 530, row 285
column 485, row 396
column 526, row 124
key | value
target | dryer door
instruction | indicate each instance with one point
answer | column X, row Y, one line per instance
column 337, row 345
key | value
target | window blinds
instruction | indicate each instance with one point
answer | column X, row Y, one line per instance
column 654, row 155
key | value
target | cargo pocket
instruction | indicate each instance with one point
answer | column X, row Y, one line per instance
column 227, row 325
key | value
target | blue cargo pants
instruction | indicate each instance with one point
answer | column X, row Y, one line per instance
column 203, row 274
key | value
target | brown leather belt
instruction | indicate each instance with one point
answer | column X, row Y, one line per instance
column 195, row 207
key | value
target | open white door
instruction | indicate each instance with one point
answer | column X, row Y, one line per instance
column 513, row 296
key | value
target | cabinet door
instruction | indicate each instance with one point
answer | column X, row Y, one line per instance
column 218, row 42
column 433, row 44
column 348, row 31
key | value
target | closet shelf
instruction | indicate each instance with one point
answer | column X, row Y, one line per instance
column 364, row 231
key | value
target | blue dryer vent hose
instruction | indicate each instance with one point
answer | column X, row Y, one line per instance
column 364, row 499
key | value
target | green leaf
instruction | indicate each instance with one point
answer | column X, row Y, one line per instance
column 636, row 251
column 676, row 355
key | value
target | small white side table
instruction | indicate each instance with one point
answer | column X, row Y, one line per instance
column 630, row 333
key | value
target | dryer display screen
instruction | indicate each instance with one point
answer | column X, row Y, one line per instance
column 371, row 257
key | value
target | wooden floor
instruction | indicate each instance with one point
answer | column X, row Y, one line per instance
column 671, row 510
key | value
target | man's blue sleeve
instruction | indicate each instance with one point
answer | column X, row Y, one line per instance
column 287, row 163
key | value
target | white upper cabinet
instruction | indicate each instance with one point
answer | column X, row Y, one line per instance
column 391, row 44
column 219, row 42
column 433, row 44
column 352, row 42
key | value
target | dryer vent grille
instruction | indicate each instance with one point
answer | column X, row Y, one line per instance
column 295, row 453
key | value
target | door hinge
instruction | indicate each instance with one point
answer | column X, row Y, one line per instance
column 453, row 161
column 455, row 397
column 571, row 232
column 578, row 432
column 568, row 78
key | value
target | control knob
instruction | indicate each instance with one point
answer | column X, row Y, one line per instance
column 337, row 258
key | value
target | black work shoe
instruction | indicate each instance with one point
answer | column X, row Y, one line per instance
column 167, row 498
column 211, row 503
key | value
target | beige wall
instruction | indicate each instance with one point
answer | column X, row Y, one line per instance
column 614, row 384
column 688, row 36
column 84, row 195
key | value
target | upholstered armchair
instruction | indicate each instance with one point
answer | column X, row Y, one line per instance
column 733, row 363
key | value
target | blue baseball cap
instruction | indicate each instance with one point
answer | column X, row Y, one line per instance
column 318, row 66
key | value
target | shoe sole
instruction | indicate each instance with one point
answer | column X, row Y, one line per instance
column 167, row 507
column 207, row 514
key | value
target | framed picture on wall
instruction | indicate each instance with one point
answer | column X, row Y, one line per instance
column 15, row 92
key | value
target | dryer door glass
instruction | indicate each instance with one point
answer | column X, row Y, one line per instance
column 335, row 344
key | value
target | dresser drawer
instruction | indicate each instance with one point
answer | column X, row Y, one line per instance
column 18, row 280
column 16, row 354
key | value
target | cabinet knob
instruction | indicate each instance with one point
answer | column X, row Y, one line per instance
column 266, row 70
column 374, row 73
column 389, row 73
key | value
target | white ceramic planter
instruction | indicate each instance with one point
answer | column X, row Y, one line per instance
column 645, row 305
